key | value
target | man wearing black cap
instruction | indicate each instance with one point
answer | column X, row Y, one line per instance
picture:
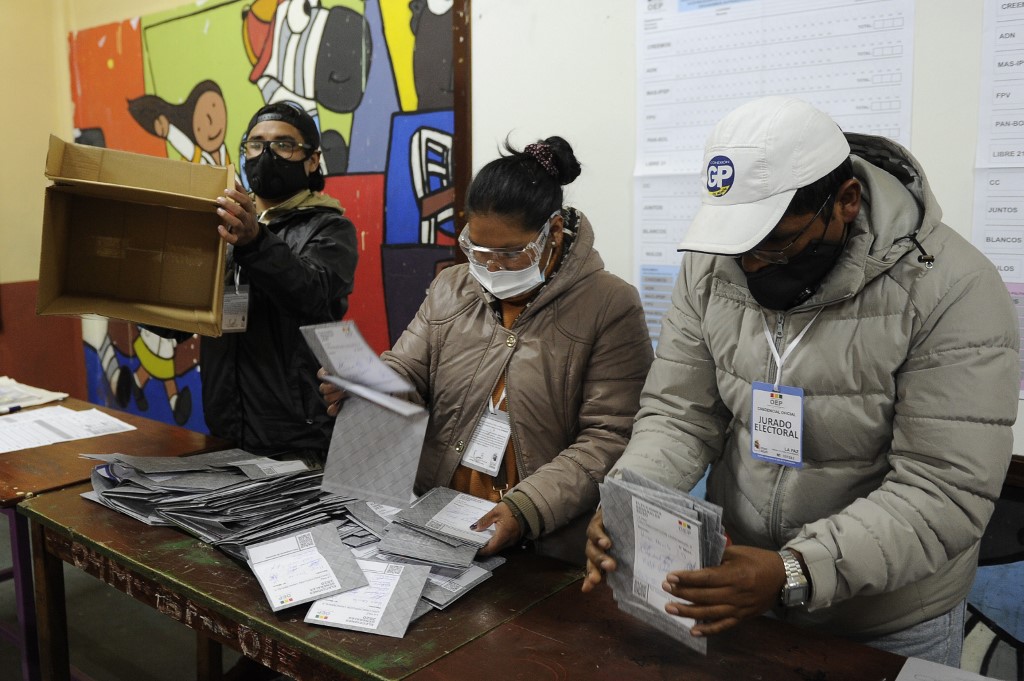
column 291, row 262
column 847, row 366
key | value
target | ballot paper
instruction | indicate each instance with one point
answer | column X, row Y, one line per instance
column 304, row 566
column 409, row 543
column 657, row 530
column 450, row 513
column 377, row 438
column 385, row 606
column 442, row 591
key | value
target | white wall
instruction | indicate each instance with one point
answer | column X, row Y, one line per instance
column 543, row 67
column 563, row 67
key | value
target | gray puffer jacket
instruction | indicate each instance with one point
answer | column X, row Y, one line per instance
column 574, row 361
column 910, row 379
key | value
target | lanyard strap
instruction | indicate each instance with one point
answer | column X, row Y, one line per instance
column 780, row 361
column 493, row 406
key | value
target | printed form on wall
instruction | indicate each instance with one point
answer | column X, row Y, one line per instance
column 699, row 59
column 999, row 164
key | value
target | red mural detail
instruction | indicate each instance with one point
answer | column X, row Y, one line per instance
column 106, row 66
column 363, row 199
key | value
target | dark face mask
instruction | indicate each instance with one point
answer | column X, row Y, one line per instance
column 272, row 177
column 781, row 287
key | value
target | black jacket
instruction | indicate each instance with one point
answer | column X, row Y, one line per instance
column 260, row 388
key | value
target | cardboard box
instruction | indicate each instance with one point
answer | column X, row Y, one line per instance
column 132, row 237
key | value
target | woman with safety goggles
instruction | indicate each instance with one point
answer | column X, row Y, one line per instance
column 530, row 357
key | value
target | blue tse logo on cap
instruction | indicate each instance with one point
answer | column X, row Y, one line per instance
column 720, row 175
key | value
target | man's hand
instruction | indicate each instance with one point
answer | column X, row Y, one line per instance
column 507, row 530
column 332, row 394
column 238, row 216
column 598, row 560
column 746, row 584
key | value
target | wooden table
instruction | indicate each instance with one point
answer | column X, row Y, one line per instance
column 199, row 586
column 529, row 621
column 585, row 636
column 28, row 472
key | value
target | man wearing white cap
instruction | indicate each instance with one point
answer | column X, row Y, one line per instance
column 847, row 365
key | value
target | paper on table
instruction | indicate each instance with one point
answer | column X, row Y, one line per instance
column 18, row 395
column 49, row 425
column 383, row 607
column 304, row 566
column 451, row 513
column 404, row 541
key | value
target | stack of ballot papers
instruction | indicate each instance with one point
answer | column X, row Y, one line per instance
column 656, row 530
column 436, row 529
column 377, row 439
column 49, row 425
column 305, row 545
column 229, row 498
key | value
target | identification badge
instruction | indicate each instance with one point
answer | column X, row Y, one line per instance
column 486, row 448
column 236, row 309
column 776, row 431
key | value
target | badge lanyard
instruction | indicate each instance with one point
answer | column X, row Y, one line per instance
column 486, row 448
column 776, row 429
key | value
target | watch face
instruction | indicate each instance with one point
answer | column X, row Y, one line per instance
column 795, row 595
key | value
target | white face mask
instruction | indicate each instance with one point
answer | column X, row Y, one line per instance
column 504, row 284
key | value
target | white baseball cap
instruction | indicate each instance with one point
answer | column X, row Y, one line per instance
column 755, row 160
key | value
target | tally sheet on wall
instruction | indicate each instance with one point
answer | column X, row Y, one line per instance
column 699, row 59
column 998, row 229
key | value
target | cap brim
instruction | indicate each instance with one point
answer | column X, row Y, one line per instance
column 733, row 229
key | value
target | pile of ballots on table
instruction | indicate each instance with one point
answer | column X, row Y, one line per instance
column 656, row 530
column 362, row 565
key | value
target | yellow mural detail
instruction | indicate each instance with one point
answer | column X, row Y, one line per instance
column 398, row 33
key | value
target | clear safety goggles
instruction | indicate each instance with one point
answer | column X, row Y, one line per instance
column 512, row 259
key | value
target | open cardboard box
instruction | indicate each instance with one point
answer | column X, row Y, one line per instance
column 132, row 237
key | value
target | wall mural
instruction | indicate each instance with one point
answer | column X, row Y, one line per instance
column 377, row 77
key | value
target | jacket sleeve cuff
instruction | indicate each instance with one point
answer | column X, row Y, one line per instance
column 525, row 511
column 241, row 252
column 821, row 569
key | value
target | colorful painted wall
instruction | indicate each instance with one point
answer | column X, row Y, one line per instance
column 183, row 83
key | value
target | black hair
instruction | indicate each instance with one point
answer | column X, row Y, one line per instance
column 147, row 108
column 521, row 186
column 810, row 198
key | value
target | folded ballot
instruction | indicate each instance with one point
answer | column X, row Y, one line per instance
column 304, row 566
column 657, row 530
column 377, row 438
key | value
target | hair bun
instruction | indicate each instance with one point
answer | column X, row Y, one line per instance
column 565, row 160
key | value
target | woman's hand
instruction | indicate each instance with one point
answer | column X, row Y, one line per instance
column 507, row 530
column 332, row 395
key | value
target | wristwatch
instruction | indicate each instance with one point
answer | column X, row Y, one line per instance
column 797, row 589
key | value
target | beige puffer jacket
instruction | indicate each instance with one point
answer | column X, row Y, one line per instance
column 576, row 359
column 910, row 377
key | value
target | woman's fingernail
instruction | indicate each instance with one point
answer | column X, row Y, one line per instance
column 473, row 526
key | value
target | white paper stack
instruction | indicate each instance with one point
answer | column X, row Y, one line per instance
column 657, row 530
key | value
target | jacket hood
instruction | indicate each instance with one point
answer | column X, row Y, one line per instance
column 897, row 208
column 302, row 201
column 579, row 262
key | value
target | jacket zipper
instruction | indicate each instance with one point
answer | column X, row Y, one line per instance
column 774, row 519
column 515, row 437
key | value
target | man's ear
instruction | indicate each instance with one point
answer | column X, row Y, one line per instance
column 313, row 162
column 848, row 201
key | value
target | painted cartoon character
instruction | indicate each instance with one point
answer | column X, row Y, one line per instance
column 311, row 55
column 432, row 63
column 195, row 128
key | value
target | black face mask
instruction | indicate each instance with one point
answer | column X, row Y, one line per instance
column 272, row 177
column 781, row 287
